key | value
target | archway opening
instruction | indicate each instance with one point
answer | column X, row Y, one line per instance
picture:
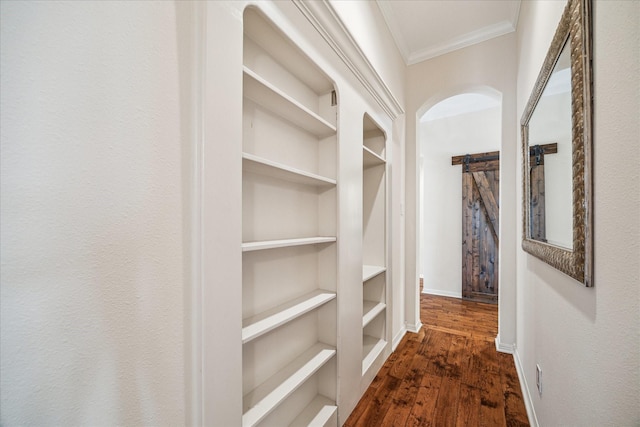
column 467, row 122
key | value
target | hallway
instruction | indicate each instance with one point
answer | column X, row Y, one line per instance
column 447, row 374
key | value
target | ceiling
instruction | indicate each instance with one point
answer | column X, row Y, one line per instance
column 423, row 29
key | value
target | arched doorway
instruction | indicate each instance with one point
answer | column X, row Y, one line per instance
column 460, row 124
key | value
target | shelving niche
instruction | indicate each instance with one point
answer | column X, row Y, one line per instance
column 289, row 242
column 374, row 292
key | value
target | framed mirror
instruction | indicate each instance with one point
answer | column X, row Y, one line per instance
column 557, row 151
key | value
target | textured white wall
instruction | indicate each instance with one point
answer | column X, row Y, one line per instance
column 586, row 339
column 474, row 132
column 91, row 214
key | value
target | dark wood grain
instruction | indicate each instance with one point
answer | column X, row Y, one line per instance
column 467, row 229
column 459, row 160
column 488, row 200
column 480, row 231
column 451, row 376
column 537, row 210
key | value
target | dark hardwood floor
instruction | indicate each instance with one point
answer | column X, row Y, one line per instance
column 448, row 374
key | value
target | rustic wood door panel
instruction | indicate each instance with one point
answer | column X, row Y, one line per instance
column 537, row 196
column 480, row 233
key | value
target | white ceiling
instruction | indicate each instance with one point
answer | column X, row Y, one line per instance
column 423, row 29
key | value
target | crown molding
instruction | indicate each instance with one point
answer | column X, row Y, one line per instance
column 326, row 21
column 469, row 39
column 515, row 14
column 450, row 45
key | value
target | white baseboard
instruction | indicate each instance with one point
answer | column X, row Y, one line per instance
column 504, row 347
column 442, row 293
column 414, row 328
column 398, row 338
column 526, row 396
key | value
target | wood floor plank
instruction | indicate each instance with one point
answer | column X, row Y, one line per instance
column 421, row 414
column 446, row 411
column 402, row 402
column 357, row 412
column 374, row 413
column 469, row 407
column 457, row 360
column 436, row 349
column 405, row 358
column 515, row 412
column 448, row 374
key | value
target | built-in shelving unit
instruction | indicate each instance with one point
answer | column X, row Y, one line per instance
column 374, row 301
column 289, row 243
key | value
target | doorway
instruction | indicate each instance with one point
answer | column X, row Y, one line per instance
column 466, row 123
column 480, row 225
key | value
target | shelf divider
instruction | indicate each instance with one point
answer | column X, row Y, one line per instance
column 284, row 243
column 267, row 321
column 318, row 413
column 262, row 166
column 370, row 159
column 267, row 396
column 273, row 99
column 372, row 347
column 370, row 310
column 371, row 271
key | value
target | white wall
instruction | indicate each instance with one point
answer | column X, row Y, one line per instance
column 92, row 186
column 490, row 68
column 440, row 139
column 586, row 339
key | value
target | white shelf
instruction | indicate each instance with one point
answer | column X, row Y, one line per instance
column 319, row 413
column 371, row 348
column 370, row 159
column 273, row 99
column 284, row 243
column 370, row 310
column 371, row 271
column 272, row 169
column 271, row 393
column 262, row 323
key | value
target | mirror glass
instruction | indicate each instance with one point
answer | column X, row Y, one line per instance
column 557, row 159
column 550, row 159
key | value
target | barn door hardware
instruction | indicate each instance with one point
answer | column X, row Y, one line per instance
column 537, row 151
column 467, row 159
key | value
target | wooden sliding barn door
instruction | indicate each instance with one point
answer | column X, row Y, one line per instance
column 537, row 219
column 480, row 225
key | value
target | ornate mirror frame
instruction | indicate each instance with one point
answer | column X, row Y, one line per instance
column 574, row 26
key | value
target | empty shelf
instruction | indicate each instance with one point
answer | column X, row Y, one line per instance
column 371, row 271
column 264, row 322
column 267, row 167
column 370, row 310
column 369, row 158
column 273, row 99
column 319, row 413
column 268, row 395
column 371, row 349
column 272, row 244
